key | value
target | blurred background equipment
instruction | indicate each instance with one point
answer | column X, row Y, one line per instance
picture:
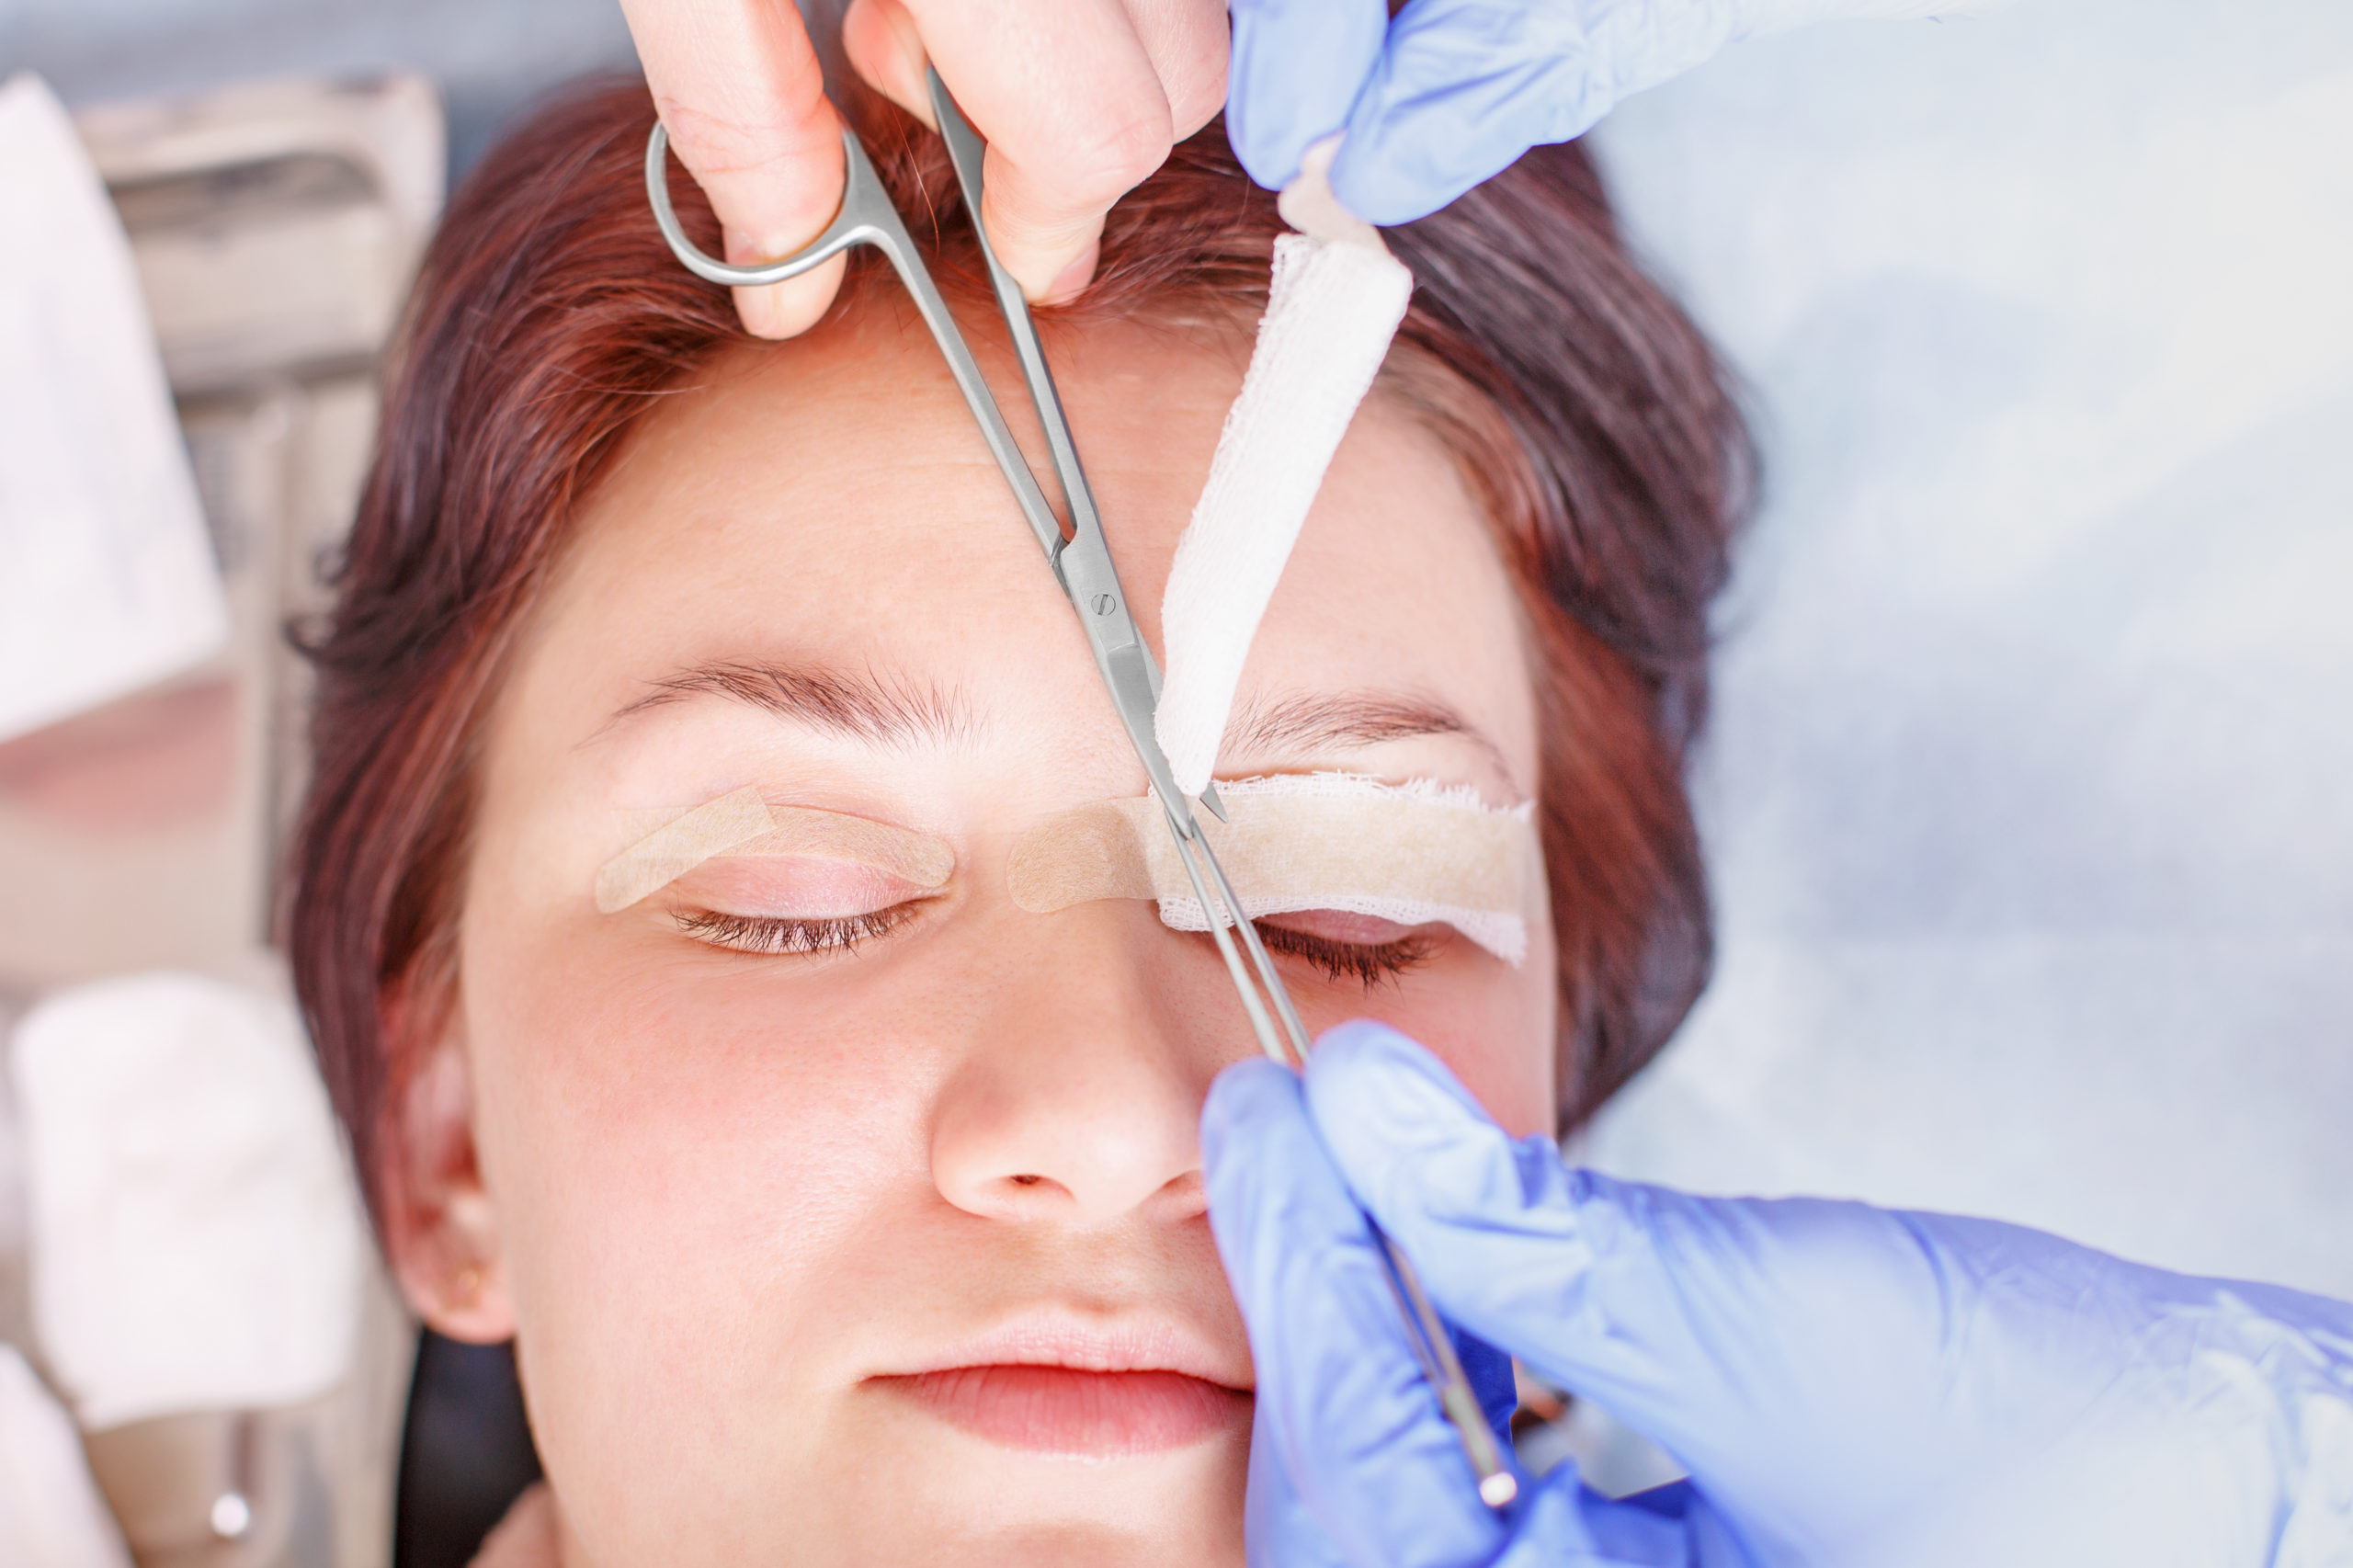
column 182, row 1253
column 486, row 58
column 197, row 1267
column 109, row 583
column 273, row 228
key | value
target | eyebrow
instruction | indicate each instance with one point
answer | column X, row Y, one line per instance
column 863, row 705
column 1350, row 719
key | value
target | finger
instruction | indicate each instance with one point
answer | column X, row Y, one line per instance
column 1298, row 66
column 1567, row 1525
column 1184, row 39
column 740, row 92
column 1067, row 96
column 1708, row 1324
column 1189, row 43
column 884, row 46
column 1463, row 87
column 1341, row 1402
column 1278, row 1531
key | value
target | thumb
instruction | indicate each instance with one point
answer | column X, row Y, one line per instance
column 1764, row 1345
column 1352, row 1458
column 740, row 92
column 1298, row 65
column 1070, row 98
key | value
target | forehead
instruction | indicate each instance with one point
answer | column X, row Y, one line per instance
column 828, row 503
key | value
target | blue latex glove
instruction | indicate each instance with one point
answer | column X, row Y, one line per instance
column 1455, row 90
column 1847, row 1385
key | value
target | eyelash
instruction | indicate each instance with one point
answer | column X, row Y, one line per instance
column 769, row 935
column 1374, row 964
column 1371, row 965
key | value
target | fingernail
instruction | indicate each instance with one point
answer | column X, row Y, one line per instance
column 761, row 311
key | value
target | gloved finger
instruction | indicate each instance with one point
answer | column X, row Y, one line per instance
column 1565, row 1524
column 1298, row 66
column 740, row 92
column 1078, row 101
column 1465, row 86
column 1717, row 1328
column 1278, row 1531
column 1342, row 1404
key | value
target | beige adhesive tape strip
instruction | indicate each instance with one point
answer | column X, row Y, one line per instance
column 742, row 825
column 1318, row 841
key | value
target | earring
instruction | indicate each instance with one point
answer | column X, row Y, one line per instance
column 467, row 1286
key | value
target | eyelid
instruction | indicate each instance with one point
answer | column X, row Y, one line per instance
column 1372, row 963
column 1348, row 926
column 1416, row 853
column 792, row 887
column 742, row 825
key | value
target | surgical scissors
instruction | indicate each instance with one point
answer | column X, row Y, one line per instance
column 1081, row 561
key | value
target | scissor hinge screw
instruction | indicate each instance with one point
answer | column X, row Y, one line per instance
column 1105, row 604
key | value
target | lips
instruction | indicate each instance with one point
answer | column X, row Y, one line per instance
column 1079, row 1413
column 1080, row 1384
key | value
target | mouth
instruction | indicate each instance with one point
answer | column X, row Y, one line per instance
column 1079, row 1396
column 1076, row 1413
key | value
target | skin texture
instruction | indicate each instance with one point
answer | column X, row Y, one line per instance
column 1078, row 101
column 716, row 1196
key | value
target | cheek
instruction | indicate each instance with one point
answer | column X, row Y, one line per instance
column 672, row 1160
column 1490, row 1023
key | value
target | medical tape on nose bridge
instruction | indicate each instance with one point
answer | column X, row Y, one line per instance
column 742, row 825
column 1412, row 854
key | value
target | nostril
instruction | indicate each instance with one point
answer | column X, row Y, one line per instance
column 1027, row 1180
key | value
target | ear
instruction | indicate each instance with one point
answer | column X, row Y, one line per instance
column 441, row 1228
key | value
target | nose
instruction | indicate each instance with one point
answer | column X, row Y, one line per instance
column 1079, row 1100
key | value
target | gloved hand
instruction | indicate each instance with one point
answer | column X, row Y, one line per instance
column 1454, row 91
column 1846, row 1385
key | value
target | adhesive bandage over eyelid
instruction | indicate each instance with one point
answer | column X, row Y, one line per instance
column 740, row 825
column 1412, row 854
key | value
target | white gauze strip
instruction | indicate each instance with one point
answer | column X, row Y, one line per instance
column 1412, row 853
column 1334, row 304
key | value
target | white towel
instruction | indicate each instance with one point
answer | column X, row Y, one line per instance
column 106, row 577
column 51, row 1513
column 196, row 1242
column 1334, row 304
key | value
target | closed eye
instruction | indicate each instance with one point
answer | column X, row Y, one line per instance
column 1349, row 947
column 782, row 936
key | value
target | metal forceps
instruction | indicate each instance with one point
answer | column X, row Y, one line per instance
column 1082, row 564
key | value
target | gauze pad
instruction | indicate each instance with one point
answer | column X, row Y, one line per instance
column 108, row 579
column 196, row 1242
column 741, row 823
column 1334, row 304
column 1411, row 853
column 51, row 1512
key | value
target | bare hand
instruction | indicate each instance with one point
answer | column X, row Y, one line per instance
column 1078, row 101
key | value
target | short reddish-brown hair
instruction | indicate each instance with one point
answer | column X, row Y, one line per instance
column 1585, row 410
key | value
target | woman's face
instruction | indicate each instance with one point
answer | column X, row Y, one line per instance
column 898, row 1253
